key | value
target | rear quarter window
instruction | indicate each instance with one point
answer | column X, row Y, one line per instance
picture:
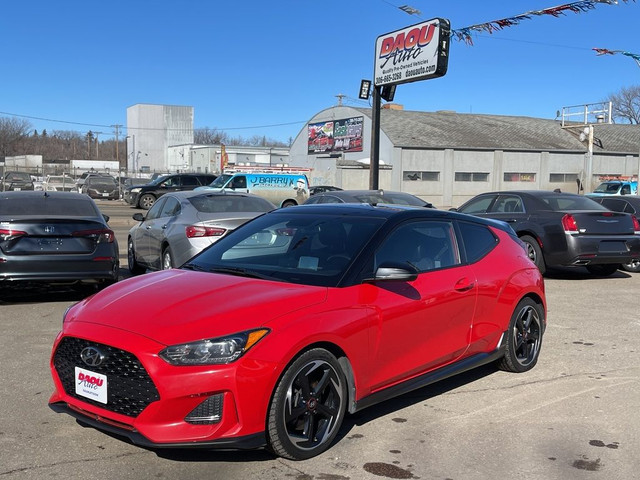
column 478, row 240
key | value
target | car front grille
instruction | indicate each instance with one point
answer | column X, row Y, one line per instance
column 130, row 389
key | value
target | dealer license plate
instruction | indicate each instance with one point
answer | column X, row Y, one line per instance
column 105, row 194
column 91, row 385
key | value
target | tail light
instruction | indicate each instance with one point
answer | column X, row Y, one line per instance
column 195, row 231
column 9, row 233
column 636, row 225
column 569, row 224
column 101, row 236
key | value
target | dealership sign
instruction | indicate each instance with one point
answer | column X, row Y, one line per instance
column 418, row 52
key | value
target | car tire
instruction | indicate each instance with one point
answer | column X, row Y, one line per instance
column 166, row 259
column 524, row 337
column 146, row 201
column 288, row 203
column 604, row 270
column 134, row 267
column 633, row 267
column 534, row 252
column 312, row 392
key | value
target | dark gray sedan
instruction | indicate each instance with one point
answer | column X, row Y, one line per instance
column 54, row 238
column 563, row 229
column 181, row 224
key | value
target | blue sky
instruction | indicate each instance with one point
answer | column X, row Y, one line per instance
column 265, row 68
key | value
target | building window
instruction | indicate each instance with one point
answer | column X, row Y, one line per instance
column 562, row 177
column 471, row 177
column 411, row 176
column 519, row 177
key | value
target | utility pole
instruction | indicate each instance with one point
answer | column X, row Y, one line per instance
column 117, row 127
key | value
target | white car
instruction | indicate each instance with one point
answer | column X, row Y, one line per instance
column 59, row 183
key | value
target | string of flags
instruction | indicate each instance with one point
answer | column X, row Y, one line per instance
column 464, row 34
column 606, row 51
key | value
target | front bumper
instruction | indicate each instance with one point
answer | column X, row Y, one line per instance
column 166, row 420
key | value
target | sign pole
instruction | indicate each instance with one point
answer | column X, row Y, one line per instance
column 374, row 161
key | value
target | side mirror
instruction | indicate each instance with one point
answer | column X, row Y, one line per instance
column 453, row 209
column 138, row 217
column 395, row 271
column 106, row 217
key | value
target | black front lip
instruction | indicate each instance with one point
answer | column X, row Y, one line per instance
column 248, row 442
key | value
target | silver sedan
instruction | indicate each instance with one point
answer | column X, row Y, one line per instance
column 181, row 224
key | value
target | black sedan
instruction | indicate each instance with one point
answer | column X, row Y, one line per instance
column 55, row 238
column 563, row 229
column 372, row 197
column 622, row 203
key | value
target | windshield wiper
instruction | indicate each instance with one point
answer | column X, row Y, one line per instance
column 193, row 266
column 241, row 272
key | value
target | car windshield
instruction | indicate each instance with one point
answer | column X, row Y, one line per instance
column 47, row 206
column 562, row 203
column 220, row 181
column 230, row 203
column 607, row 188
column 17, row 176
column 305, row 249
column 60, row 180
column 102, row 181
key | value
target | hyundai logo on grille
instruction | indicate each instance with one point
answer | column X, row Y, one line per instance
column 92, row 356
column 49, row 229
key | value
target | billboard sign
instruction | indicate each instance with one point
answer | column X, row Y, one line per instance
column 343, row 135
column 418, row 52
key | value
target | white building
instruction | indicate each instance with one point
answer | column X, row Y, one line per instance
column 151, row 130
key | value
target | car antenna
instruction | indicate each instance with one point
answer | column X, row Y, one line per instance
column 46, row 194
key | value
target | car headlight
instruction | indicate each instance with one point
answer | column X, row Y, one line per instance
column 135, row 190
column 213, row 351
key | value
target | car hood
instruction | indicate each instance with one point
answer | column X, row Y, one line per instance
column 177, row 306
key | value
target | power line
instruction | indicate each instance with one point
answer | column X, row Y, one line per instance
column 151, row 129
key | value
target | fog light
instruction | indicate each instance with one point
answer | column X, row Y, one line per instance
column 208, row 412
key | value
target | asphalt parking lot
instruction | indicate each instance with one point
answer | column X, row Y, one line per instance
column 573, row 416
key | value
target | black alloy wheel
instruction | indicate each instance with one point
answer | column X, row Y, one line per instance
column 308, row 406
column 524, row 337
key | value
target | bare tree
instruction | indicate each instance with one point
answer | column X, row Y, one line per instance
column 14, row 133
column 626, row 104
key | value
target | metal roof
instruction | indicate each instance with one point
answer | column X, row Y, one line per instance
column 411, row 129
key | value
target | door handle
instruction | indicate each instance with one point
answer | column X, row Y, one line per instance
column 463, row 285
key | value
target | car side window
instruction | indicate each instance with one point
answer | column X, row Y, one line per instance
column 508, row 204
column 477, row 205
column 189, row 182
column 171, row 182
column 156, row 209
column 425, row 245
column 625, row 190
column 239, row 182
column 477, row 240
column 171, row 208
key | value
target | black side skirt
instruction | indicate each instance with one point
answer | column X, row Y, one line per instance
column 463, row 365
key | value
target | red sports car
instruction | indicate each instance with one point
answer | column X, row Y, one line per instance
column 300, row 316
